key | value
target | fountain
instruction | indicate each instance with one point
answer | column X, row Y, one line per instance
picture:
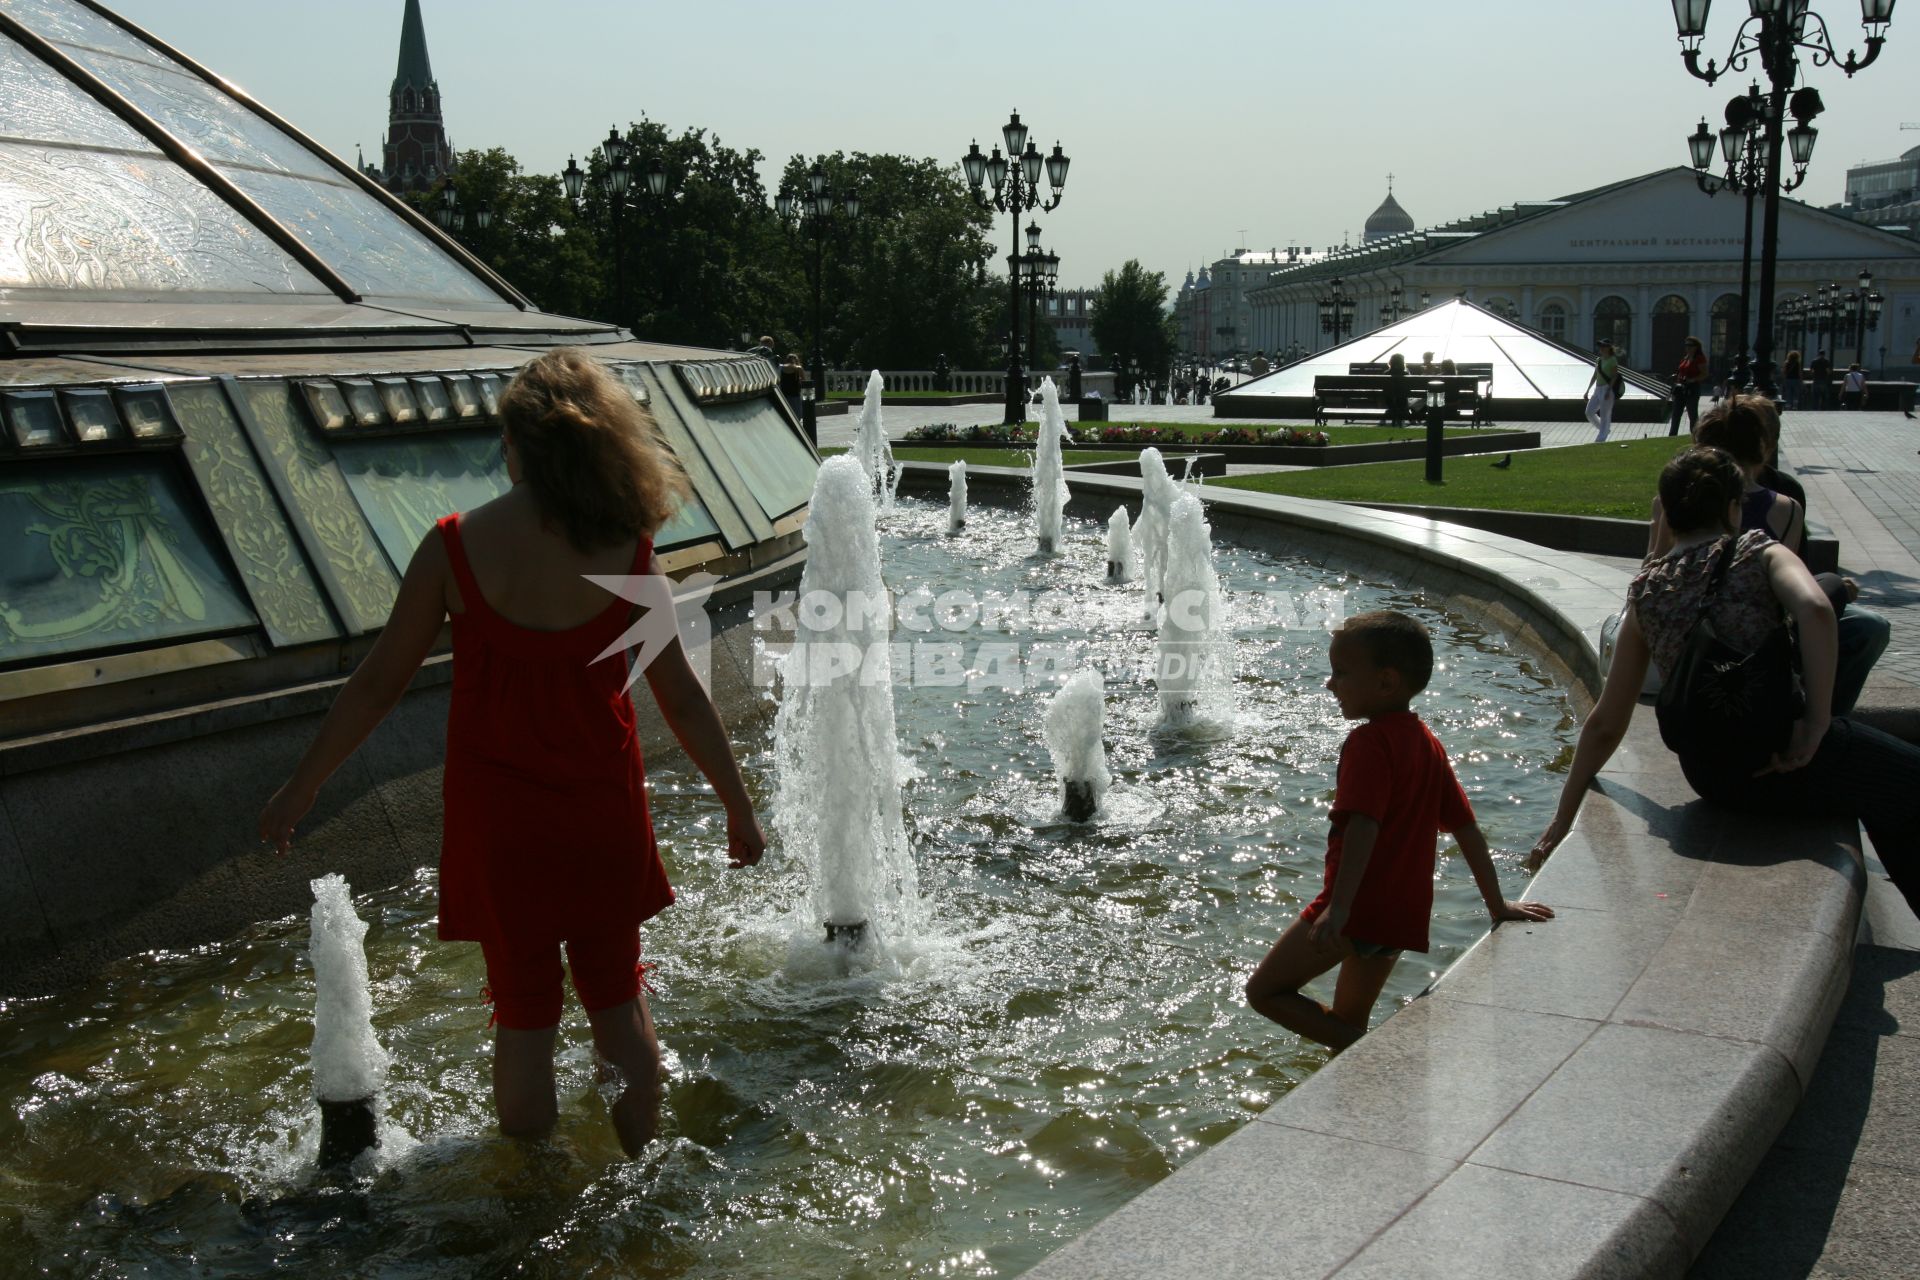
column 1073, row 726
column 837, row 807
column 1157, row 492
column 1119, row 546
column 349, row 1066
column 1049, row 479
column 872, row 448
column 1195, row 647
column 957, row 496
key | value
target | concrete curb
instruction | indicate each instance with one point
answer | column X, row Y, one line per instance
column 1611, row 1078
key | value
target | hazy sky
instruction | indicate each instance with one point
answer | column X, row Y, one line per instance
column 1187, row 122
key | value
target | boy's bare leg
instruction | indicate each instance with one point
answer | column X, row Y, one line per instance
column 1357, row 988
column 523, row 1081
column 624, row 1037
column 1274, row 988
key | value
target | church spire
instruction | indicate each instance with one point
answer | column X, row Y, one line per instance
column 415, row 69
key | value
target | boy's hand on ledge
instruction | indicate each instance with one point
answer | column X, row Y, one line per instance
column 1521, row 911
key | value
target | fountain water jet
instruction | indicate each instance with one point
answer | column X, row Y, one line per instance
column 872, row 448
column 837, row 807
column 1119, row 546
column 1157, row 492
column 957, row 496
column 1049, row 475
column 1074, row 721
column 349, row 1066
column 1195, row 659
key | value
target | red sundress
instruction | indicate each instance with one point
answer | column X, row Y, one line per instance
column 546, row 834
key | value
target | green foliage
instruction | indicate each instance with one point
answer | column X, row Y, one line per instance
column 1131, row 325
column 710, row 263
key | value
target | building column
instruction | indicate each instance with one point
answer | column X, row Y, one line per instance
column 1642, row 357
column 1583, row 323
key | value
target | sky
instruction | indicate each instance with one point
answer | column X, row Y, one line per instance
column 1194, row 128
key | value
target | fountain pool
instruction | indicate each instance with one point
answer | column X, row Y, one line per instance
column 1066, row 1031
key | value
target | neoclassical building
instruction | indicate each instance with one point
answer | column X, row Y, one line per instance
column 1645, row 262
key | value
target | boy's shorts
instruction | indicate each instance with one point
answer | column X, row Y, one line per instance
column 1371, row 949
column 525, row 982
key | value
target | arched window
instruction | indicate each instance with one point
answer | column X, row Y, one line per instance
column 407, row 101
column 1613, row 322
column 1553, row 321
column 1672, row 320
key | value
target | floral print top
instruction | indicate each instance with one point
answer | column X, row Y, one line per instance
column 1667, row 593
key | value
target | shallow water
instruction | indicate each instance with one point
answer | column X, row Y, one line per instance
column 1070, row 1032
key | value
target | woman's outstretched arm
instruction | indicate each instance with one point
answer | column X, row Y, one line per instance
column 1818, row 633
column 371, row 692
column 695, row 721
column 1600, row 736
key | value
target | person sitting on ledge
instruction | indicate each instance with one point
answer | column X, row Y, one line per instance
column 1394, row 793
column 1747, row 585
column 547, row 837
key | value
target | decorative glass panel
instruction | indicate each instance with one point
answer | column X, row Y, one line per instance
column 465, row 396
column 369, row 245
column 72, row 23
column 91, row 416
column 771, row 457
column 259, row 540
column 203, row 117
column 326, row 404
column 145, row 409
column 397, row 395
column 107, row 553
column 364, row 402
column 97, row 220
column 345, row 553
column 405, row 483
column 691, row 523
column 33, row 418
column 45, row 106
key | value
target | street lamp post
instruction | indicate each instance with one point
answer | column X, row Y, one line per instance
column 1742, row 146
column 1774, row 32
column 1336, row 312
column 1016, row 189
column 616, row 182
column 814, row 212
column 1867, row 303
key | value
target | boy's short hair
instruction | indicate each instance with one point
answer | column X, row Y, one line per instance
column 1396, row 642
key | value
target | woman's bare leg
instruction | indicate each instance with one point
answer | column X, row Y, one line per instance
column 624, row 1037
column 523, row 1092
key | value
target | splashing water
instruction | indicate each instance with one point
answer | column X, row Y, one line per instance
column 872, row 448
column 1196, row 654
column 837, row 808
column 957, row 496
column 1049, row 477
column 1157, row 492
column 1119, row 546
column 1074, row 723
column 349, row 1066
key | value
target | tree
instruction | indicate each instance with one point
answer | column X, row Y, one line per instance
column 899, row 284
column 534, row 242
column 1131, row 325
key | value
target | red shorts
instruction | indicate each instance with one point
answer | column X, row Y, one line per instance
column 524, row 983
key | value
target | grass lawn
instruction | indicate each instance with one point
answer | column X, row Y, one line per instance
column 1614, row 479
column 994, row 457
column 1335, row 435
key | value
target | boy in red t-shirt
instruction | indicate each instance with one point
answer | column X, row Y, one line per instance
column 1394, row 794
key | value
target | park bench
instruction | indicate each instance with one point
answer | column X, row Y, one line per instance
column 1354, row 397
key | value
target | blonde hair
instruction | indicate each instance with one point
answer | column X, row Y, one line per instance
column 593, row 458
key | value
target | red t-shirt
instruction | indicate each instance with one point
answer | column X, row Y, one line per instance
column 1393, row 770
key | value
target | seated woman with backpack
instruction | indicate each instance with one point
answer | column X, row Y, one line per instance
column 1779, row 750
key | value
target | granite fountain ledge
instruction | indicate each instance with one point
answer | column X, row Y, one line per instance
column 1582, row 1097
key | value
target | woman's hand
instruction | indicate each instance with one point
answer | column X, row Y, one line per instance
column 1801, row 745
column 1549, row 841
column 289, row 804
column 745, row 841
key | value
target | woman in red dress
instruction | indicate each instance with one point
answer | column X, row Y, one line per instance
column 546, row 838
